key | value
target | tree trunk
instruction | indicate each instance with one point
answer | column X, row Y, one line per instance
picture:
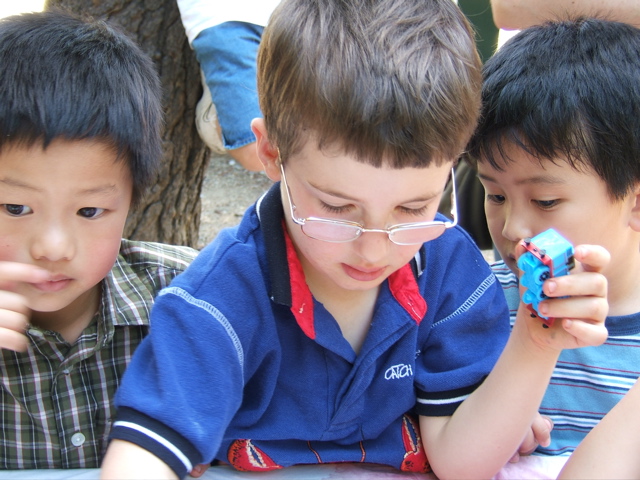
column 170, row 213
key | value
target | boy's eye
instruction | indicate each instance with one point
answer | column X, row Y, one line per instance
column 417, row 212
column 17, row 210
column 90, row 212
column 495, row 199
column 333, row 209
column 546, row 204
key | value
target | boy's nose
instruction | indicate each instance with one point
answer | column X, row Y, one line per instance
column 515, row 227
column 373, row 246
column 53, row 243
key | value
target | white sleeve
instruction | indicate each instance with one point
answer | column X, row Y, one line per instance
column 198, row 15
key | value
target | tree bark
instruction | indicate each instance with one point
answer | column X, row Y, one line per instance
column 170, row 213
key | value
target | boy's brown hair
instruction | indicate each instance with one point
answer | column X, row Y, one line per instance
column 387, row 81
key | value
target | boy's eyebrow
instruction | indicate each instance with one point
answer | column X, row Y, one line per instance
column 13, row 182
column 328, row 191
column 537, row 180
column 99, row 190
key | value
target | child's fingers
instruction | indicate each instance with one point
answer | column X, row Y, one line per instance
column 583, row 284
column 10, row 301
column 592, row 258
column 12, row 340
column 541, row 428
column 584, row 333
column 539, row 434
column 527, row 447
column 12, row 330
column 12, row 320
column 14, row 313
column 13, row 272
column 14, row 317
column 592, row 309
column 199, row 470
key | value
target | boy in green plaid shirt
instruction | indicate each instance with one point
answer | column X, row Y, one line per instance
column 79, row 143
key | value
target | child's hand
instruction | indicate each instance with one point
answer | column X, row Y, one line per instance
column 539, row 434
column 199, row 470
column 14, row 312
column 579, row 318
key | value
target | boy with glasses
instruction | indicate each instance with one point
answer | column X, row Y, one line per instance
column 323, row 328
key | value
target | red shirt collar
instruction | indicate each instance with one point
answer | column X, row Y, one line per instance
column 402, row 283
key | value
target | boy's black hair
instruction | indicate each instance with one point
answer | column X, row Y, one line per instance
column 63, row 77
column 566, row 90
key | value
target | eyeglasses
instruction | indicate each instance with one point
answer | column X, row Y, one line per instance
column 340, row 231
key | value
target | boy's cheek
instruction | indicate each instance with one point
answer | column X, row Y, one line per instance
column 8, row 252
column 499, row 241
column 495, row 219
column 513, row 266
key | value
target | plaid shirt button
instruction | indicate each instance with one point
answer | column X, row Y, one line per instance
column 77, row 439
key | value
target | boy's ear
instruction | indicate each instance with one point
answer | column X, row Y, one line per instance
column 267, row 152
column 634, row 221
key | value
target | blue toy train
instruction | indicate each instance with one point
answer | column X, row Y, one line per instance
column 548, row 255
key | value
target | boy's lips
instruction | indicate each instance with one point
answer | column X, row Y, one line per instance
column 363, row 274
column 55, row 284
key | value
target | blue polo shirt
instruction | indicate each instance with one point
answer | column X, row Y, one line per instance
column 245, row 366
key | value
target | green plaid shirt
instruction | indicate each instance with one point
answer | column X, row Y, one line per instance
column 56, row 398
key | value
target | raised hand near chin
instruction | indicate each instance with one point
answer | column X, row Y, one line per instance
column 14, row 312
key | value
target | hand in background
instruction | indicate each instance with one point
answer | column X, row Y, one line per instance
column 540, row 434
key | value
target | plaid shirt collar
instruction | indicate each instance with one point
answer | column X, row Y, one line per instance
column 126, row 300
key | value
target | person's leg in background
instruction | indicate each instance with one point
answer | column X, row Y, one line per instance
column 227, row 56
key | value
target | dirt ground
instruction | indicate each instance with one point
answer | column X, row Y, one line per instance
column 227, row 191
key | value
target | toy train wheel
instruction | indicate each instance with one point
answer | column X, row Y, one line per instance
column 540, row 274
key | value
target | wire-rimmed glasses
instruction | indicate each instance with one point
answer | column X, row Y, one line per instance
column 341, row 231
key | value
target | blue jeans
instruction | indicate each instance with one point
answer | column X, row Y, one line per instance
column 227, row 55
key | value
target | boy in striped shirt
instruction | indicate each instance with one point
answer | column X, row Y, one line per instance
column 558, row 146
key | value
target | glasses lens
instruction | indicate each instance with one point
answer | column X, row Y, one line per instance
column 330, row 232
column 417, row 235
